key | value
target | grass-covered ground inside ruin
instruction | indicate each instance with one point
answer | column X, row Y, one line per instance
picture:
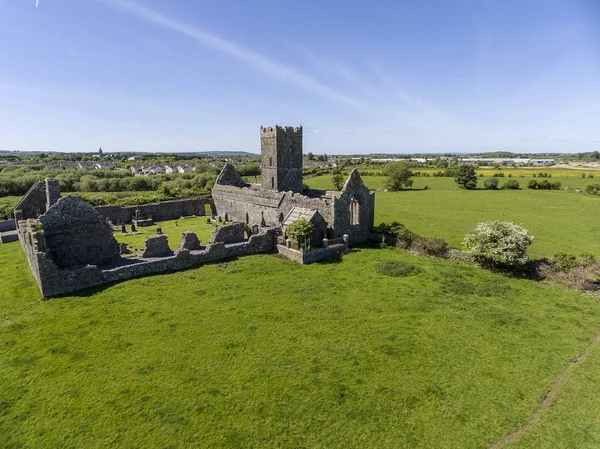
column 173, row 230
column 261, row 352
column 560, row 220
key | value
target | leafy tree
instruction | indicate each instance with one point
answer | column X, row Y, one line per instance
column 300, row 230
column 310, row 156
column 338, row 181
column 398, row 174
column 466, row 177
column 499, row 243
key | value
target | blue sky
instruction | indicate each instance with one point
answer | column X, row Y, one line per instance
column 361, row 77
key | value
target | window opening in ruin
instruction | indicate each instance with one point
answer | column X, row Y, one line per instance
column 354, row 211
column 272, row 182
column 280, row 217
column 270, row 162
column 247, row 218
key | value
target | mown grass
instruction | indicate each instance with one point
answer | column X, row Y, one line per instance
column 561, row 221
column 261, row 352
column 573, row 421
column 197, row 225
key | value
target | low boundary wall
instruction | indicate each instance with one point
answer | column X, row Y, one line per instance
column 54, row 281
column 165, row 210
column 314, row 255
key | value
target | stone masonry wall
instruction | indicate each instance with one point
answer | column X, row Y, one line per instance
column 54, row 281
column 355, row 188
column 166, row 210
column 265, row 204
column 75, row 234
column 33, row 202
column 312, row 256
column 232, row 233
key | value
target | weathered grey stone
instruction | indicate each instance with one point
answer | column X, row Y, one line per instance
column 281, row 158
column 52, row 192
column 233, row 233
column 190, row 241
column 350, row 211
column 53, row 280
column 156, row 246
column 315, row 255
column 314, row 218
column 166, row 210
column 33, row 203
column 75, row 234
column 229, row 176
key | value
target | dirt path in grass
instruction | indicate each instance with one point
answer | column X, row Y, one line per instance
column 557, row 386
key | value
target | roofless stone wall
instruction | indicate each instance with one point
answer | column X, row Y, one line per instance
column 75, row 234
column 53, row 280
column 166, row 210
column 260, row 206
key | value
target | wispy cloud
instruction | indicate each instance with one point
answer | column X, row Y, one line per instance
column 259, row 62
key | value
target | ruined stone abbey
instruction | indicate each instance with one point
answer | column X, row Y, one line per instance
column 70, row 245
column 349, row 212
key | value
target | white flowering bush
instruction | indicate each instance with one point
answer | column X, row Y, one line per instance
column 499, row 243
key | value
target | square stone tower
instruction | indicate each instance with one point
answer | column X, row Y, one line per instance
column 281, row 158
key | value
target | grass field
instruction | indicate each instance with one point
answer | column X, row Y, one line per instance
column 261, row 352
column 559, row 220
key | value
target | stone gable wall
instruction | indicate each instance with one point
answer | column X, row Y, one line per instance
column 75, row 234
column 33, row 202
column 355, row 188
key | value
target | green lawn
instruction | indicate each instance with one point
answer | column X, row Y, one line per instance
column 197, row 225
column 261, row 352
column 559, row 220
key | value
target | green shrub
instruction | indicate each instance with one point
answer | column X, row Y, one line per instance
column 490, row 184
column 499, row 243
column 563, row 261
column 511, row 184
column 396, row 268
column 593, row 189
column 402, row 237
column 430, row 246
